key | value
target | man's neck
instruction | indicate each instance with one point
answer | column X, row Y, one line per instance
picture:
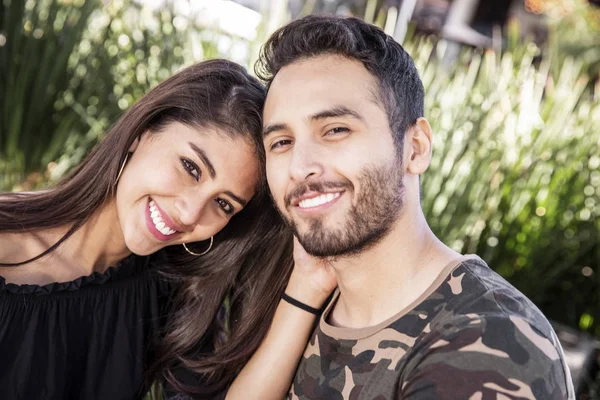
column 382, row 280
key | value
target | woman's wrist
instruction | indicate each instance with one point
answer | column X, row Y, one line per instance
column 300, row 305
column 305, row 290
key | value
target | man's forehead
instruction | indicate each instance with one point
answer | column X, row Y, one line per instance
column 311, row 85
column 329, row 67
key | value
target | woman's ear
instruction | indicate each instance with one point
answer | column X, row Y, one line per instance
column 135, row 144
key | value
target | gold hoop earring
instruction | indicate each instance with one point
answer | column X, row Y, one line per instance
column 122, row 167
column 199, row 254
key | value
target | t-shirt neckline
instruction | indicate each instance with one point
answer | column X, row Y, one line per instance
column 361, row 333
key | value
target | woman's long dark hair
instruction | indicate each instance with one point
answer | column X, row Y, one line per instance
column 251, row 259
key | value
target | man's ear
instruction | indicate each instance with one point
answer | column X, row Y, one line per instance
column 418, row 146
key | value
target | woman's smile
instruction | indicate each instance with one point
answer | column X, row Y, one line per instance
column 160, row 225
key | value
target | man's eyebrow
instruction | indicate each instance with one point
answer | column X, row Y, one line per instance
column 205, row 160
column 337, row 111
column 241, row 201
column 267, row 130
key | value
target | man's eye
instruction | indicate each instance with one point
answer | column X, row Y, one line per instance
column 281, row 143
column 191, row 168
column 337, row 130
column 225, row 206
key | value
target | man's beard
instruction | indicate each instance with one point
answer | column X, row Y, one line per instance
column 370, row 218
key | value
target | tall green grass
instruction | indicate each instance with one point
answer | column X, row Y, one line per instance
column 515, row 174
column 37, row 41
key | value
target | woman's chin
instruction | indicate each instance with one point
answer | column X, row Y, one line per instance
column 141, row 249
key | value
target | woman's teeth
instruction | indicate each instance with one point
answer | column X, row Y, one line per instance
column 319, row 200
column 159, row 224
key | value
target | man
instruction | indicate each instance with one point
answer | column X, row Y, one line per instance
column 346, row 142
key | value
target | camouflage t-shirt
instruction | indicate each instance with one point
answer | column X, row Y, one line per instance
column 471, row 335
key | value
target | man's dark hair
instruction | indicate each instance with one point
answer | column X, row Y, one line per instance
column 400, row 89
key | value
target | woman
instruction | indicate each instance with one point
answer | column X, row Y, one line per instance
column 90, row 269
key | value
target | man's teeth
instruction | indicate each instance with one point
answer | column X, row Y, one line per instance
column 159, row 224
column 319, row 200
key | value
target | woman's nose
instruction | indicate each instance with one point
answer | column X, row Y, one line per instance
column 189, row 210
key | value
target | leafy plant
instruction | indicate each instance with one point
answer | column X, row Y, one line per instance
column 515, row 176
column 574, row 31
column 36, row 41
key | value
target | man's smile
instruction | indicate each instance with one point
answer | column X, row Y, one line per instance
column 315, row 201
column 318, row 200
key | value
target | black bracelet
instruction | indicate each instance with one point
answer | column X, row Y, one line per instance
column 299, row 304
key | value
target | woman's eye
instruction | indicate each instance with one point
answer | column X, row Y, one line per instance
column 281, row 143
column 191, row 168
column 337, row 130
column 225, row 206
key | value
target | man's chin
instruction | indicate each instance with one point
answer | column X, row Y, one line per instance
column 318, row 244
column 310, row 231
column 308, row 223
column 322, row 250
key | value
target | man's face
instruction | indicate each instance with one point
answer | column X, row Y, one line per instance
column 332, row 165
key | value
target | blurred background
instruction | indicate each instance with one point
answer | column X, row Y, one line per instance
column 512, row 93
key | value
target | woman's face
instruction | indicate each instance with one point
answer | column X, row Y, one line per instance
column 182, row 185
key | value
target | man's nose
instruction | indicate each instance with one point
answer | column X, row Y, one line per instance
column 306, row 161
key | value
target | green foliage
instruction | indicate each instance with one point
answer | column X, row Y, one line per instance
column 574, row 30
column 37, row 40
column 515, row 175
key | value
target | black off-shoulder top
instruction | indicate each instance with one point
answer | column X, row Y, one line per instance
column 90, row 338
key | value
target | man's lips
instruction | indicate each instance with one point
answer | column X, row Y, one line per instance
column 310, row 195
column 316, row 201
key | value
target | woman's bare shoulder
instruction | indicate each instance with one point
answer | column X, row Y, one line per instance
column 18, row 247
column 15, row 245
column 12, row 246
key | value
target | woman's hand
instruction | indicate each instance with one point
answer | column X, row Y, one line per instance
column 269, row 373
column 313, row 279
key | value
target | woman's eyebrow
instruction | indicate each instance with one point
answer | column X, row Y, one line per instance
column 238, row 199
column 205, row 160
column 213, row 173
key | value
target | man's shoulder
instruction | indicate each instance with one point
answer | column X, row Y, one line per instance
column 482, row 320
column 473, row 291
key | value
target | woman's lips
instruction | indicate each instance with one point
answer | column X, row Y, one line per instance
column 158, row 222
